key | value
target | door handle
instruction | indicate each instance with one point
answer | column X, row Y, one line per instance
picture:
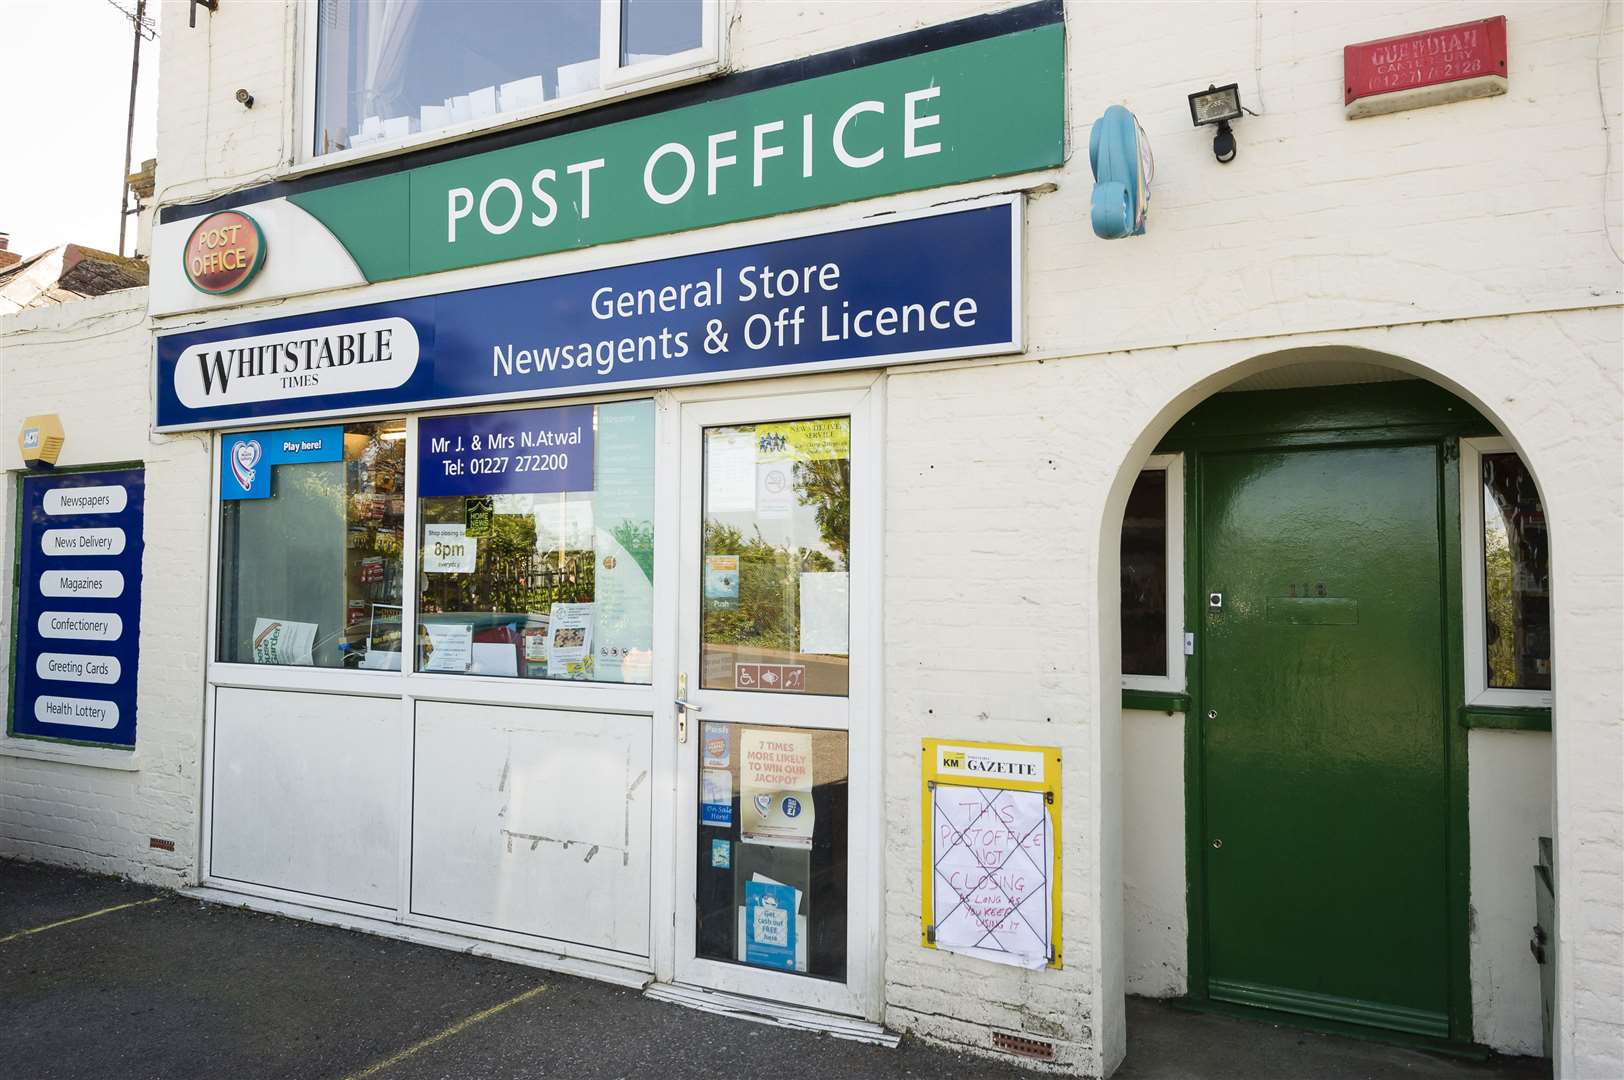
column 684, row 707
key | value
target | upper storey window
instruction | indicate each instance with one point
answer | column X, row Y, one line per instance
column 388, row 72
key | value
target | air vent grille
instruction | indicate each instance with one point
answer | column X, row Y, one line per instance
column 1040, row 1049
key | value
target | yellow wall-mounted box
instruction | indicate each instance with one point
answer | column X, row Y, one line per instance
column 41, row 441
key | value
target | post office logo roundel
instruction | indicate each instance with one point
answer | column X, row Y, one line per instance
column 224, row 252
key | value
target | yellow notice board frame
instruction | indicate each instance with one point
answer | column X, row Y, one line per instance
column 1002, row 766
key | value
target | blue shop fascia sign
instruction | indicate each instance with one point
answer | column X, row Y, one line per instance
column 939, row 284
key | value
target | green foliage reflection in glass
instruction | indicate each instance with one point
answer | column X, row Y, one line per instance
column 511, row 574
column 767, row 612
column 534, row 550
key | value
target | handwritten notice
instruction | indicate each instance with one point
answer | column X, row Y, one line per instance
column 993, row 866
column 775, row 787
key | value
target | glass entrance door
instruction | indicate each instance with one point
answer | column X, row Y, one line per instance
column 774, row 858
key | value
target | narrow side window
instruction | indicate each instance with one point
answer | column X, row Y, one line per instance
column 1152, row 573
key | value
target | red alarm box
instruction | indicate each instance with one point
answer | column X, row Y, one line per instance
column 1430, row 67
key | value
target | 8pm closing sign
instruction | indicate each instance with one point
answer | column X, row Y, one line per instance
column 992, row 851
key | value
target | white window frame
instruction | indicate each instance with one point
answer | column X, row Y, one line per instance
column 409, row 687
column 865, row 896
column 614, row 82
column 859, row 395
column 1174, row 681
column 1473, row 616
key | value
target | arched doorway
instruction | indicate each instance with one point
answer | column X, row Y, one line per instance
column 1319, row 693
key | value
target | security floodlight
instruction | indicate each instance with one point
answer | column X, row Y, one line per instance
column 1218, row 105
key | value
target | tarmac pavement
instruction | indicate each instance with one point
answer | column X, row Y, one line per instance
column 100, row 978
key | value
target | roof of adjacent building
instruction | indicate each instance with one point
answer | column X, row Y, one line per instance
column 64, row 273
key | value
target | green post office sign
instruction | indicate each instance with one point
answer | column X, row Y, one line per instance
column 986, row 108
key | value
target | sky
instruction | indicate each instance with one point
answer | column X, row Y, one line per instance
column 67, row 77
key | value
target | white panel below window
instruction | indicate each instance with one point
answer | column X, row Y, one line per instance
column 307, row 793
column 534, row 821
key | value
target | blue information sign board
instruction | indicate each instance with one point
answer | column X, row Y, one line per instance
column 935, row 285
column 78, row 607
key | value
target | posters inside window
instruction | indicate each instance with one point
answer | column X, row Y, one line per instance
column 537, row 543
column 777, row 574
column 311, row 533
column 771, row 865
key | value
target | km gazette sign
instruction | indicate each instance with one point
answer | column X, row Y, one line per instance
column 984, row 108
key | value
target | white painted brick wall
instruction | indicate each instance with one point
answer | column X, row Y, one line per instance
column 1155, row 887
column 88, row 362
column 1004, row 481
column 1510, row 797
column 973, row 444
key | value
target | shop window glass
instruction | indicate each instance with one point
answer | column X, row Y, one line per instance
column 536, row 543
column 311, row 528
column 1144, row 576
column 654, row 29
column 1516, row 577
column 777, row 551
column 390, row 69
column 771, row 889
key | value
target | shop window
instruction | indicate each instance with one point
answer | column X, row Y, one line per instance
column 1152, row 579
column 389, row 70
column 311, row 527
column 536, row 543
column 1507, row 577
column 777, row 551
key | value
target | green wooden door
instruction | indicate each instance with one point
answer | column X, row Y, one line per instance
column 1325, row 739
